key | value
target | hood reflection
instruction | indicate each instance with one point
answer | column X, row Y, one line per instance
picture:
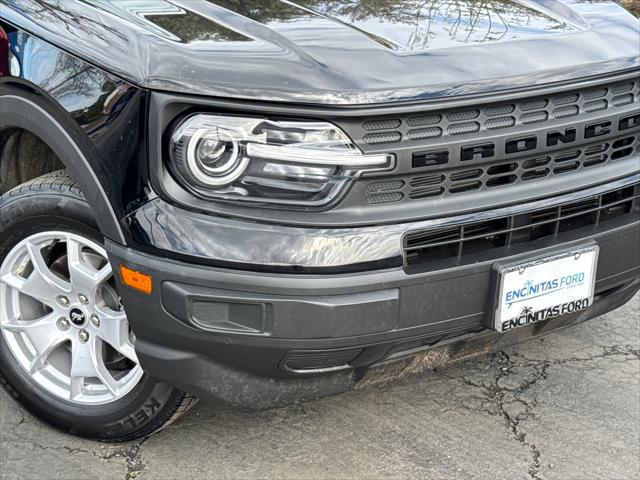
column 408, row 25
column 169, row 21
column 413, row 25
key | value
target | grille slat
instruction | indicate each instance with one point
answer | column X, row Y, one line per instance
column 424, row 120
column 622, row 100
column 462, row 128
column 566, row 99
column 500, row 122
column 534, row 117
column 422, row 133
column 564, row 112
column 500, row 110
column 385, row 124
column 597, row 93
column 534, row 104
column 388, row 137
column 457, row 116
column 596, row 106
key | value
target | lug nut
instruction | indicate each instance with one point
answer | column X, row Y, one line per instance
column 83, row 336
column 83, row 299
column 63, row 301
column 63, row 324
column 95, row 321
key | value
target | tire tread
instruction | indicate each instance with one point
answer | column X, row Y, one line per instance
column 59, row 181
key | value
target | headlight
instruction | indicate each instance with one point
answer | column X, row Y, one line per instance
column 248, row 159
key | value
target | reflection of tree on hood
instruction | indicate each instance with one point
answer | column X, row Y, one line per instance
column 66, row 15
column 265, row 11
column 392, row 11
column 460, row 20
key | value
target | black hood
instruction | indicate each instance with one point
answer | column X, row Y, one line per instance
column 338, row 52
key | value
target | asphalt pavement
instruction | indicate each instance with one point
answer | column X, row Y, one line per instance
column 566, row 406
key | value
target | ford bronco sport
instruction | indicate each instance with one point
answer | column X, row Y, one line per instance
column 261, row 202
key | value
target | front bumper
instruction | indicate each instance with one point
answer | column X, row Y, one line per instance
column 258, row 340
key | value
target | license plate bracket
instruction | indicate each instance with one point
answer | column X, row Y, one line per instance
column 545, row 287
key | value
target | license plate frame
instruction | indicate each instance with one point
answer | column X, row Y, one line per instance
column 537, row 271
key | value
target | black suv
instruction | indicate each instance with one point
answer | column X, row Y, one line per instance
column 290, row 198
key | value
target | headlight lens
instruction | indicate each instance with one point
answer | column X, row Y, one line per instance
column 248, row 159
column 213, row 157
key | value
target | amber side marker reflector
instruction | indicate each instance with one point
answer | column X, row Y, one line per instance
column 136, row 280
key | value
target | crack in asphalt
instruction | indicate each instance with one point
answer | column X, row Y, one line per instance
column 503, row 395
column 608, row 351
column 513, row 422
column 133, row 457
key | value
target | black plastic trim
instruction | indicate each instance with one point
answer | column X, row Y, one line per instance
column 21, row 112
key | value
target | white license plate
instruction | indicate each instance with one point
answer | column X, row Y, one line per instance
column 545, row 288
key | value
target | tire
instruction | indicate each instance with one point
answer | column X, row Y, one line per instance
column 54, row 205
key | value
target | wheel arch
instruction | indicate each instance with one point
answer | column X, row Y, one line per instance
column 24, row 109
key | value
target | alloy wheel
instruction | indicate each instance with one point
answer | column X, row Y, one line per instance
column 62, row 319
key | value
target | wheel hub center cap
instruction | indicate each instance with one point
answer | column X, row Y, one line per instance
column 78, row 317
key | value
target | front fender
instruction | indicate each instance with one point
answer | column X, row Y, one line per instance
column 93, row 121
column 22, row 113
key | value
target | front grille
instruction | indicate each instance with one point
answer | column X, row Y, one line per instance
column 460, row 180
column 458, row 151
column 464, row 241
column 498, row 117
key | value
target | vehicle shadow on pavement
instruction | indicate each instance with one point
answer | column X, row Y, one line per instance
column 564, row 406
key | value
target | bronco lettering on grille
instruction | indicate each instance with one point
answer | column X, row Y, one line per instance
column 524, row 144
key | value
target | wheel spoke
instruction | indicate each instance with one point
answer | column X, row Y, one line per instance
column 82, row 275
column 114, row 329
column 87, row 362
column 41, row 284
column 36, row 287
column 43, row 335
column 101, row 370
column 77, row 386
column 12, row 280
